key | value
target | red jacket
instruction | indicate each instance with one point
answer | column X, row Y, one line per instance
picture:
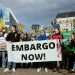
column 57, row 36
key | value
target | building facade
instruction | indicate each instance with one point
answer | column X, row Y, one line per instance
column 35, row 27
column 66, row 21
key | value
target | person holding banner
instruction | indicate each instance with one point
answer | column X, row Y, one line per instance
column 42, row 36
column 2, row 46
column 72, row 53
column 58, row 37
column 13, row 36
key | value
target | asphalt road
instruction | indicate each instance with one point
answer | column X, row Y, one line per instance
column 33, row 72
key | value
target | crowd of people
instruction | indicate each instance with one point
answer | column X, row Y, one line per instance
column 68, row 57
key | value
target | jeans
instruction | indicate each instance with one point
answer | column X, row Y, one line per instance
column 74, row 66
column 3, row 59
column 9, row 64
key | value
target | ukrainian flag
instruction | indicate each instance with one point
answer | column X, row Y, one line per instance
column 2, row 23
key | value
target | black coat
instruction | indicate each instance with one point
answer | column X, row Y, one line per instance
column 13, row 37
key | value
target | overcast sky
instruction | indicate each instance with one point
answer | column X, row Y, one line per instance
column 38, row 11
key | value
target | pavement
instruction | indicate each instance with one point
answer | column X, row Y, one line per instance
column 34, row 72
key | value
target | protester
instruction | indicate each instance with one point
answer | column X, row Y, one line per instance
column 42, row 36
column 2, row 45
column 29, row 36
column 24, row 36
column 13, row 36
column 33, row 37
column 72, row 56
column 58, row 37
column 4, row 32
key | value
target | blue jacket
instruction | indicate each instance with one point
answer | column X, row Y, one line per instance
column 42, row 37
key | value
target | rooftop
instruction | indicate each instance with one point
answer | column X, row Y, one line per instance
column 66, row 14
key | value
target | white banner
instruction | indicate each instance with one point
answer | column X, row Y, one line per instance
column 33, row 51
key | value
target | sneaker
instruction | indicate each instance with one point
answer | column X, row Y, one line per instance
column 54, row 70
column 46, row 70
column 6, row 70
column 13, row 70
column 59, row 71
column 39, row 69
column 73, row 70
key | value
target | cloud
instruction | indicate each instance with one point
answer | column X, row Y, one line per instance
column 38, row 11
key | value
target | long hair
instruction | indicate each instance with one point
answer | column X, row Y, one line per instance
column 73, row 36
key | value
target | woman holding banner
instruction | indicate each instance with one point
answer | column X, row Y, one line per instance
column 58, row 37
column 13, row 36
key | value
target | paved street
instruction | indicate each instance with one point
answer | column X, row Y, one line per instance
column 33, row 72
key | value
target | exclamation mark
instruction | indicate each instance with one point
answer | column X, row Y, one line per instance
column 44, row 56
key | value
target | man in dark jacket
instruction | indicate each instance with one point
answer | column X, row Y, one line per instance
column 13, row 36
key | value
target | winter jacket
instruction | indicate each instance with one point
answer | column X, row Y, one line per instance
column 13, row 37
column 42, row 37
